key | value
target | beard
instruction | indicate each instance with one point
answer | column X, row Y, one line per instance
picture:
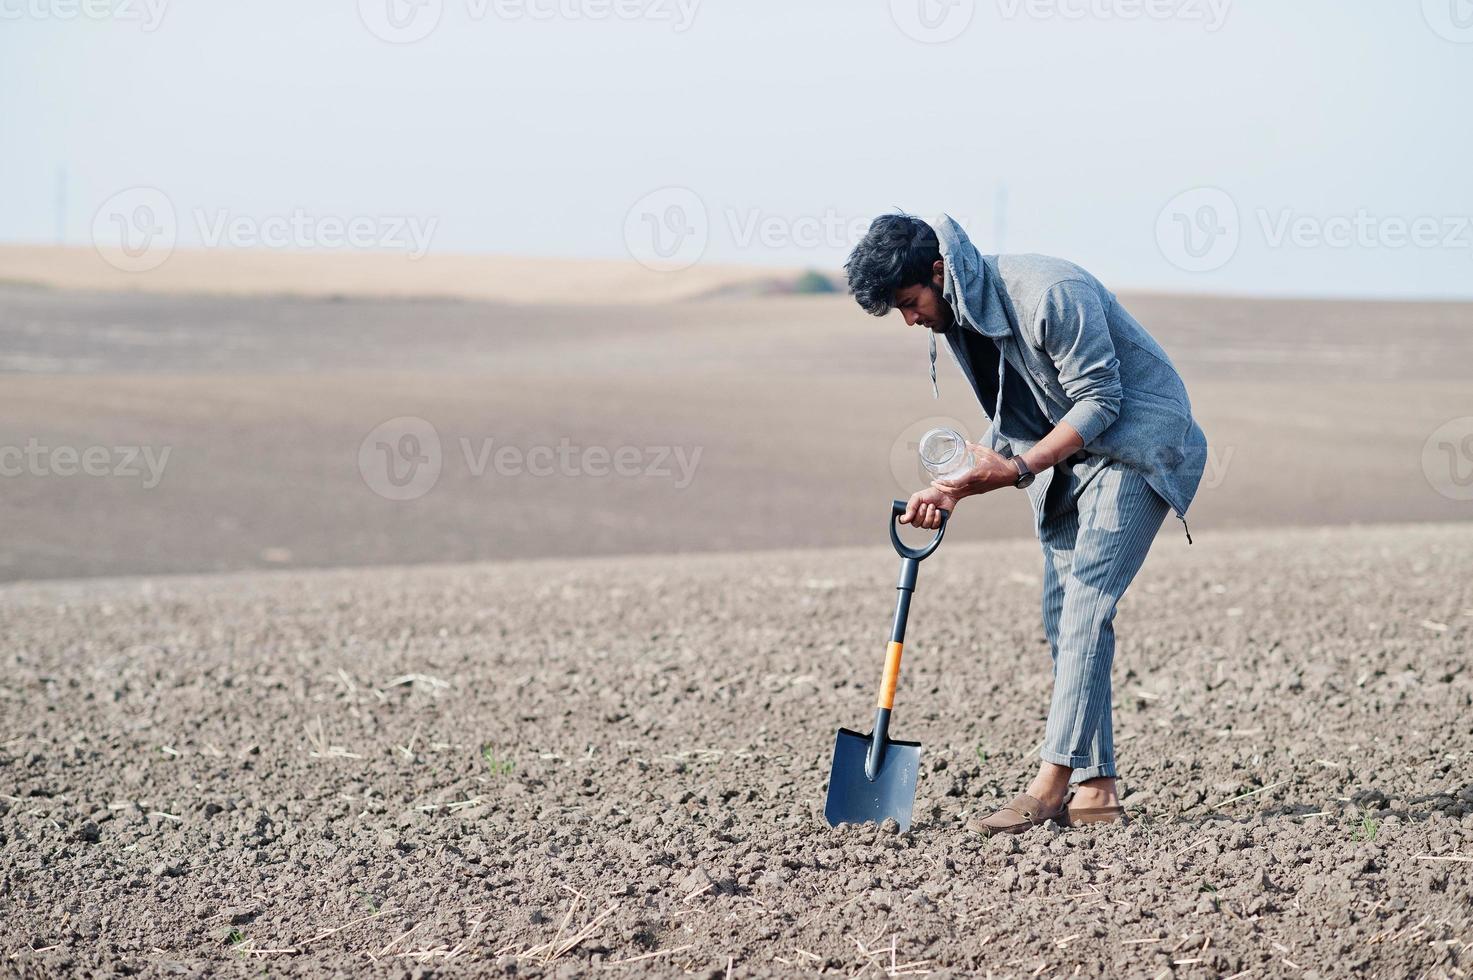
column 945, row 317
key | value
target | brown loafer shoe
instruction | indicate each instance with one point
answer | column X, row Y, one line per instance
column 1081, row 816
column 1023, row 813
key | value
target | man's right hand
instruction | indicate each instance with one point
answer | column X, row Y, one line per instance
column 925, row 507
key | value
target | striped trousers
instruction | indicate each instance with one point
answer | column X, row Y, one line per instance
column 1098, row 521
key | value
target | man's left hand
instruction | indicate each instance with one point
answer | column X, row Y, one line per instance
column 992, row 471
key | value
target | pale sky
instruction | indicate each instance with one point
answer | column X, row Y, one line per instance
column 1313, row 147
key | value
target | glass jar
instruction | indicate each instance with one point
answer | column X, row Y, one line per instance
column 945, row 455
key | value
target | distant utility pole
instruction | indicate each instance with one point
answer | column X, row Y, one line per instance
column 60, row 202
column 1000, row 218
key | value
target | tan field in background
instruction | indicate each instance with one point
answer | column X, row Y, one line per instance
column 491, row 278
column 759, row 422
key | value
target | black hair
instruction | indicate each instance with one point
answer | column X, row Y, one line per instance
column 898, row 251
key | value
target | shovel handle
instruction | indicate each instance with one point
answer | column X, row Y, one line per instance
column 897, row 508
column 891, row 676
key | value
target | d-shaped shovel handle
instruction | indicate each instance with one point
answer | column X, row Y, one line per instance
column 897, row 508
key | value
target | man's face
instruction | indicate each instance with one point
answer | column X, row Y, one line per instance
column 922, row 303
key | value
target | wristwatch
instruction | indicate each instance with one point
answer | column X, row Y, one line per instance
column 1025, row 475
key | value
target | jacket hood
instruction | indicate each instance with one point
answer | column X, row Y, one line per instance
column 973, row 288
column 970, row 281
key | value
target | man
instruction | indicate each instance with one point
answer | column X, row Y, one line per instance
column 1091, row 419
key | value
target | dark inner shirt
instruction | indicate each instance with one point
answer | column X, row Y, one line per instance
column 983, row 354
column 1025, row 419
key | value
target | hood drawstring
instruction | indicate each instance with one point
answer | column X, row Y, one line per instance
column 997, row 410
column 1001, row 378
column 1186, row 529
column 1002, row 363
column 934, row 392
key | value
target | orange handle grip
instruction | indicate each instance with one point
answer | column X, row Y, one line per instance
column 892, row 675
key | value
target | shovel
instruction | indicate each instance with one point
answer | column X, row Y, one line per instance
column 873, row 776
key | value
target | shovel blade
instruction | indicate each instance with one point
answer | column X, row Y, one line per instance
column 855, row 798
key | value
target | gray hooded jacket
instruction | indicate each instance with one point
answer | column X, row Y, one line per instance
column 1084, row 359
